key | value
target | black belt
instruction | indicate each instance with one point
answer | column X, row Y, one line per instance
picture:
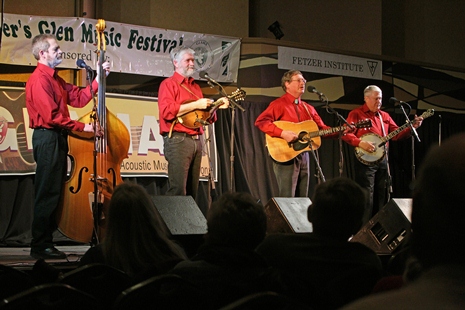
column 182, row 134
column 61, row 131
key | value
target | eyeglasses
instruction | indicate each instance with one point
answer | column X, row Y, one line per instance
column 300, row 81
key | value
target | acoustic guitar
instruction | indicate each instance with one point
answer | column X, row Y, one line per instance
column 372, row 158
column 309, row 138
column 197, row 118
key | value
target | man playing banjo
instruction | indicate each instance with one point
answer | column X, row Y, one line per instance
column 371, row 169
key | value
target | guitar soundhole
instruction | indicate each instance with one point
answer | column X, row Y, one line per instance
column 299, row 145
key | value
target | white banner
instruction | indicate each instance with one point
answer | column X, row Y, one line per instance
column 328, row 63
column 129, row 48
column 139, row 114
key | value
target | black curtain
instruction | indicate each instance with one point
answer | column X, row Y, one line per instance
column 252, row 166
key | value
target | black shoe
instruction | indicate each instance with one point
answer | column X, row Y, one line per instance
column 47, row 253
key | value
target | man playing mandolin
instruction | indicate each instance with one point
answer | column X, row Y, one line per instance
column 292, row 176
column 178, row 95
column 374, row 176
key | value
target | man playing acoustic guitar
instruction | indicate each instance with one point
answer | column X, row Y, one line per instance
column 178, row 95
column 293, row 175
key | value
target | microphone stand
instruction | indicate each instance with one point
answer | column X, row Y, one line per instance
column 320, row 176
column 414, row 131
column 233, row 105
column 342, row 120
column 413, row 158
column 440, row 130
column 207, row 143
column 414, row 134
column 330, row 110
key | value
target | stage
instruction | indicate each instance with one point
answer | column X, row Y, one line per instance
column 19, row 258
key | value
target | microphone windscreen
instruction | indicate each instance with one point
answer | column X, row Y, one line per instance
column 203, row 74
column 80, row 63
column 393, row 100
column 311, row 89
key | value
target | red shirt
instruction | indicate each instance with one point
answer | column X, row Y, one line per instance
column 48, row 97
column 285, row 109
column 170, row 97
column 362, row 113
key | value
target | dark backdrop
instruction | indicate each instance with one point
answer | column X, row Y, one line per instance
column 252, row 165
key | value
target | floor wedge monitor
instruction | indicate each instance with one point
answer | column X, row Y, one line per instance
column 389, row 228
column 288, row 215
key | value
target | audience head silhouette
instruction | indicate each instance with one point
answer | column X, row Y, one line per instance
column 438, row 211
column 226, row 267
column 236, row 220
column 137, row 239
column 337, row 208
column 437, row 235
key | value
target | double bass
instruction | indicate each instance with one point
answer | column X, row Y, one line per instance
column 95, row 165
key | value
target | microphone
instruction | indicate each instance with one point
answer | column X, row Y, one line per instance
column 394, row 101
column 82, row 64
column 312, row 89
column 204, row 75
column 322, row 96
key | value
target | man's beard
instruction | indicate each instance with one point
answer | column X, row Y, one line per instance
column 55, row 62
column 189, row 71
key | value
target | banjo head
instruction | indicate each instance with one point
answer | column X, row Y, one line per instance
column 370, row 158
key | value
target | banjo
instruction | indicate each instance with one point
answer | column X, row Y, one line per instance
column 372, row 158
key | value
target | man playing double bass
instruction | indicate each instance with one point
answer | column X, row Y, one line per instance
column 47, row 100
column 178, row 95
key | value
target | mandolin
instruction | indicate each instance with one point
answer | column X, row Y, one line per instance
column 197, row 118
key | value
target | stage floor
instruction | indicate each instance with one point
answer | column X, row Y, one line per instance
column 19, row 258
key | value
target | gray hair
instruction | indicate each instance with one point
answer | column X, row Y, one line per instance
column 371, row 88
column 177, row 54
column 40, row 43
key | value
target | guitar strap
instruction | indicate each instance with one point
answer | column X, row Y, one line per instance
column 308, row 112
column 177, row 119
column 314, row 152
column 190, row 91
column 382, row 124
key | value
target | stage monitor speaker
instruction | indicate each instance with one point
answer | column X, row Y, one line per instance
column 288, row 215
column 389, row 228
column 181, row 215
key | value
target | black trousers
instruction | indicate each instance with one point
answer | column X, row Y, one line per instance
column 50, row 149
column 375, row 180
